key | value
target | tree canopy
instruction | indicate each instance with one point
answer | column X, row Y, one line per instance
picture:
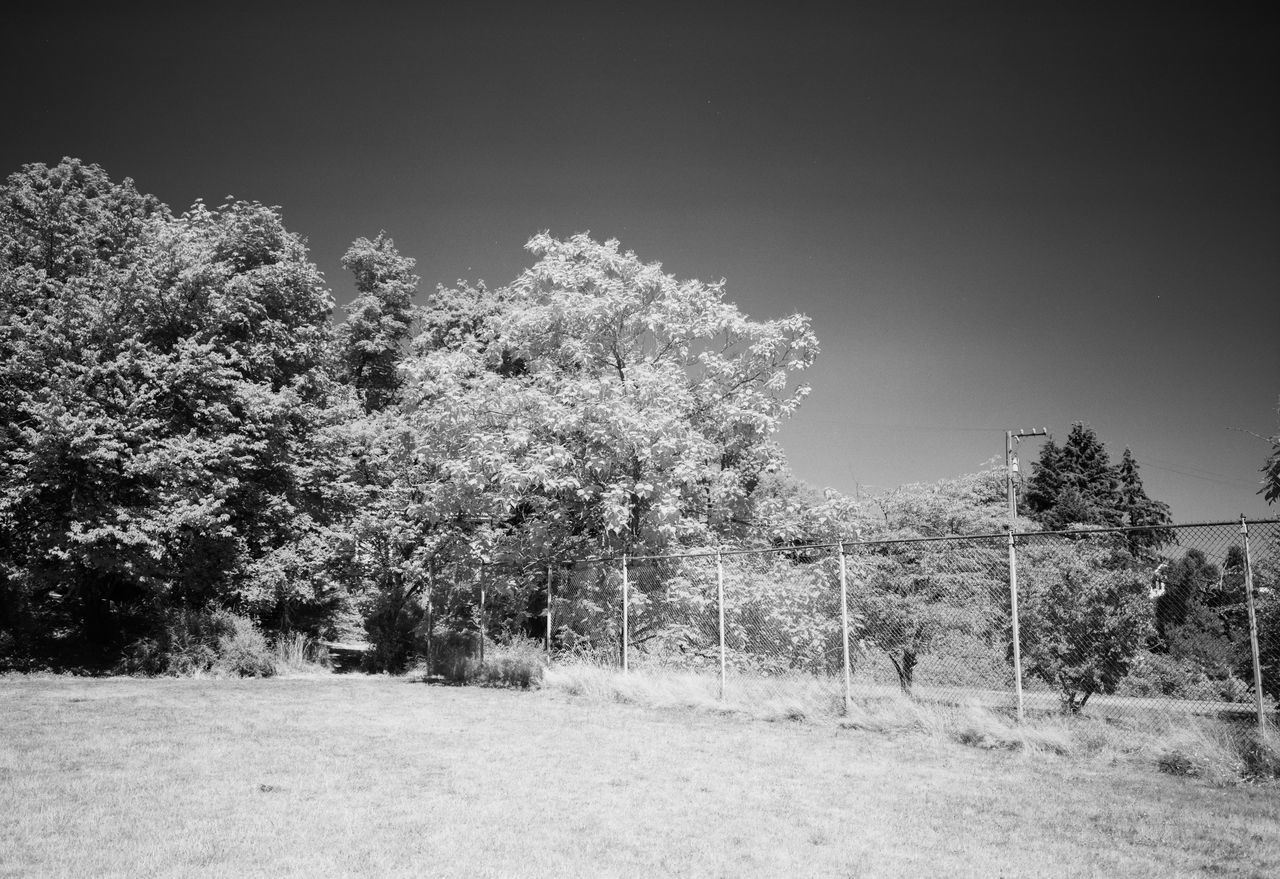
column 184, row 427
column 1076, row 484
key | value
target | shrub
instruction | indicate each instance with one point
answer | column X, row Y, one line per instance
column 451, row 650
column 189, row 642
column 1162, row 675
column 391, row 626
column 243, row 650
column 184, row 641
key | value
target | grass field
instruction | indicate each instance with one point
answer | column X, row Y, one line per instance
column 366, row 776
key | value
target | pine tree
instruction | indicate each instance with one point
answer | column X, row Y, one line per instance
column 1076, row 484
column 1137, row 509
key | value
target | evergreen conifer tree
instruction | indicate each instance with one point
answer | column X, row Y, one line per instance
column 1076, row 484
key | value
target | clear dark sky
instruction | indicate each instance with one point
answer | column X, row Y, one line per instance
column 1021, row 216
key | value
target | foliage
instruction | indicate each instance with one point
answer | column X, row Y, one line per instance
column 1076, row 484
column 1187, row 582
column 1176, row 676
column 913, row 596
column 1084, row 614
column 165, row 401
column 379, row 320
column 243, row 651
column 1271, row 470
column 519, row 664
column 595, row 401
column 187, row 642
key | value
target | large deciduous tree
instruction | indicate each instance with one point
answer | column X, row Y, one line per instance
column 163, row 390
column 601, row 399
column 595, row 402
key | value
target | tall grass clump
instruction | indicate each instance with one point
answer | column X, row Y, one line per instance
column 1216, row 750
column 519, row 663
column 295, row 653
column 1222, row 753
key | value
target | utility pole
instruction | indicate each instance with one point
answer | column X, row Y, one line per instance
column 1009, row 464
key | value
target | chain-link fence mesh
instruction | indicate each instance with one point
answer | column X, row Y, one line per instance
column 1148, row 620
column 1116, row 622
column 1121, row 621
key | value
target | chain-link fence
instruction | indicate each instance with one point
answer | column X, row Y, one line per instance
column 1169, row 619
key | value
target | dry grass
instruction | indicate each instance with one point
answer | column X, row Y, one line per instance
column 1178, row 743
column 296, row 655
column 375, row 776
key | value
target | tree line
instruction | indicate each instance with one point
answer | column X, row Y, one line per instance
column 187, row 433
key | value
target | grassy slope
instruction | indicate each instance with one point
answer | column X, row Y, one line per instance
column 368, row 776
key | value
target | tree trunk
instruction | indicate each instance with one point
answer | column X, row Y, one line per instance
column 905, row 669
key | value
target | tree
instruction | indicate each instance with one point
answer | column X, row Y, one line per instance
column 911, row 597
column 601, row 400
column 1271, row 470
column 1076, row 484
column 1084, row 615
column 1188, row 583
column 595, row 402
column 1138, row 510
column 165, row 392
column 379, row 319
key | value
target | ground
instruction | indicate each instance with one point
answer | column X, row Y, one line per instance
column 366, row 776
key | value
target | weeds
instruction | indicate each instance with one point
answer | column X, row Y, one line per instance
column 1220, row 752
column 519, row 664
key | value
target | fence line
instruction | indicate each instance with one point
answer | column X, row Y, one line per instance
column 1177, row 618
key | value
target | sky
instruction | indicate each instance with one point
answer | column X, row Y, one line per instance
column 1010, row 216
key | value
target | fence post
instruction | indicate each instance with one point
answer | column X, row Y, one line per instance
column 480, row 575
column 1253, row 626
column 844, row 630
column 1013, row 613
column 720, row 599
column 626, row 610
column 550, row 582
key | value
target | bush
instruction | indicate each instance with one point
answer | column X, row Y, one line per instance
column 189, row 642
column 391, row 629
column 243, row 651
column 1162, row 675
column 451, row 651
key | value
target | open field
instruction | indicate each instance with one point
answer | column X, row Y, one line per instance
column 351, row 775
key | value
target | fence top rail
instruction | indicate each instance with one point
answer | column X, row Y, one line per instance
column 956, row 538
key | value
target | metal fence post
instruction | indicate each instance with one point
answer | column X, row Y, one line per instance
column 1253, row 626
column 626, row 622
column 1013, row 613
column 844, row 630
column 550, row 582
column 720, row 596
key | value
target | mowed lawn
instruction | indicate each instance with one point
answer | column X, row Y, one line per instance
column 367, row 776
